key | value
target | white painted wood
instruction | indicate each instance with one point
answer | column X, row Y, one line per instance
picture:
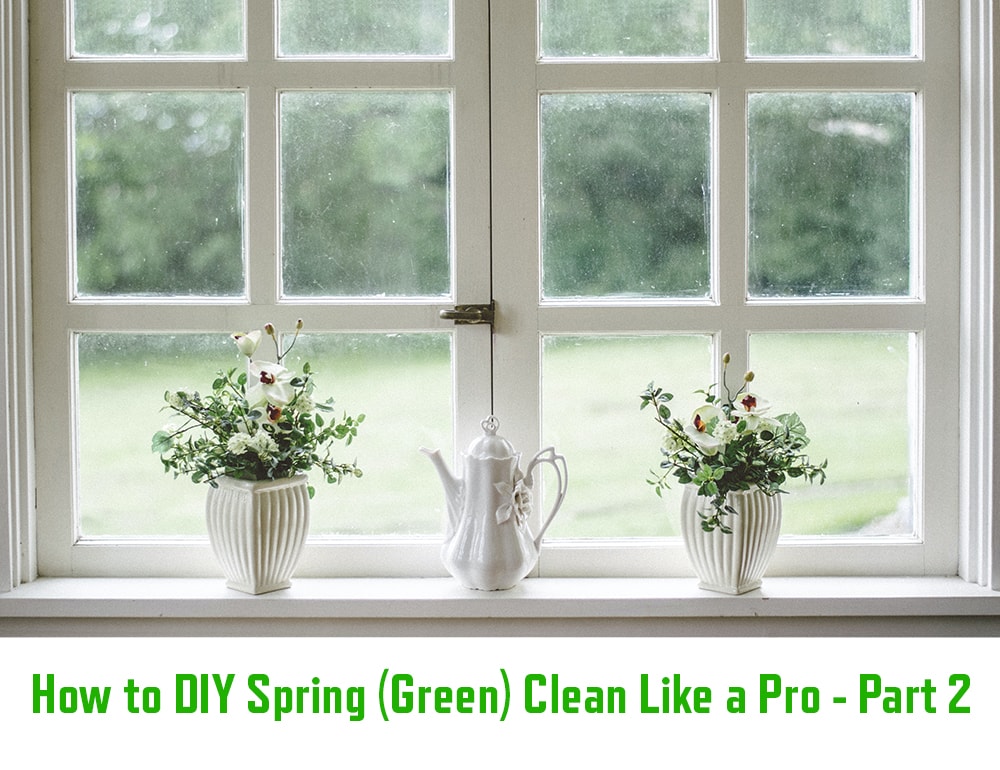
column 17, row 530
column 260, row 76
column 515, row 260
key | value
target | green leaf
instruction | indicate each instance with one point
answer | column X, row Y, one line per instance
column 162, row 442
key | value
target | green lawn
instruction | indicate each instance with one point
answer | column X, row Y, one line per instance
column 851, row 391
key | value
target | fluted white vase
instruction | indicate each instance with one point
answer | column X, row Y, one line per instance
column 257, row 530
column 732, row 563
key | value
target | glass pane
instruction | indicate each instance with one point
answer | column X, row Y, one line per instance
column 402, row 383
column 824, row 28
column 365, row 27
column 366, row 193
column 158, row 27
column 830, row 190
column 611, row 447
column 626, row 195
column 853, row 392
column 625, row 28
column 159, row 193
column 123, row 489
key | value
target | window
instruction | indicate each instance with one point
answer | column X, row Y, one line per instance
column 716, row 184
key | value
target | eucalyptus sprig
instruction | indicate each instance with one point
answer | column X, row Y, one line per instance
column 261, row 423
column 729, row 444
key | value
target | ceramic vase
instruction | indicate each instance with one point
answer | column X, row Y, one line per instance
column 732, row 563
column 257, row 530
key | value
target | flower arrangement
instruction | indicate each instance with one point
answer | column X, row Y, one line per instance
column 730, row 444
column 260, row 424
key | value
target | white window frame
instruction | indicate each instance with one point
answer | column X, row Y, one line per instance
column 521, row 76
column 978, row 542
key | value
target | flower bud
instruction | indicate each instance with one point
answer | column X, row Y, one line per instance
column 298, row 325
column 725, row 359
column 269, row 329
column 748, row 377
column 247, row 343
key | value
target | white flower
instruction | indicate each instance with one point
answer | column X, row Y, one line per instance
column 247, row 343
column 671, row 443
column 304, row 404
column 701, row 427
column 271, row 383
column 769, row 424
column 261, row 444
column 725, row 431
column 750, row 408
column 238, row 443
column 176, row 399
column 516, row 501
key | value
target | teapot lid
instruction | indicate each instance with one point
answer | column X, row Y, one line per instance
column 490, row 445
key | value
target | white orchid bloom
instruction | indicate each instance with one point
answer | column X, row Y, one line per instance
column 750, row 407
column 700, row 429
column 247, row 343
column 270, row 384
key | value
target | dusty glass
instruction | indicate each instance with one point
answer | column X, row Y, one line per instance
column 846, row 28
column 158, row 28
column 366, row 193
column 626, row 200
column 625, row 28
column 854, row 393
column 590, row 413
column 122, row 488
column 830, row 186
column 369, row 28
column 158, row 189
column 401, row 382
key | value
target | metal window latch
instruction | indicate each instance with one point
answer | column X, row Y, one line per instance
column 470, row 314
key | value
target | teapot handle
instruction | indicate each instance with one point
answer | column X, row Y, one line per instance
column 557, row 461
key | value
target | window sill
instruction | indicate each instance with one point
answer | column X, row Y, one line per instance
column 792, row 606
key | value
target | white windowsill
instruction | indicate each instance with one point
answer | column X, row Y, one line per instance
column 442, row 599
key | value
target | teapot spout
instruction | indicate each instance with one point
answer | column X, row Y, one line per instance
column 452, row 485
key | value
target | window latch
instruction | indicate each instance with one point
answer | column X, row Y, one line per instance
column 470, row 314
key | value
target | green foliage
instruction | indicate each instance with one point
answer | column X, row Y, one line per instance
column 265, row 426
column 730, row 445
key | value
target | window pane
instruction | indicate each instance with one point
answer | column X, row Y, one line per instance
column 854, row 392
column 402, row 383
column 159, row 193
column 158, row 27
column 123, row 489
column 365, row 27
column 366, row 193
column 625, row 195
column 590, row 413
column 625, row 28
column 824, row 28
column 830, row 187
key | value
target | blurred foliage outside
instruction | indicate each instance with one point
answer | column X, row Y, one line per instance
column 627, row 211
column 841, row 385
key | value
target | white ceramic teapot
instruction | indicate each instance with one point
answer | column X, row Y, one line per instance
column 488, row 544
